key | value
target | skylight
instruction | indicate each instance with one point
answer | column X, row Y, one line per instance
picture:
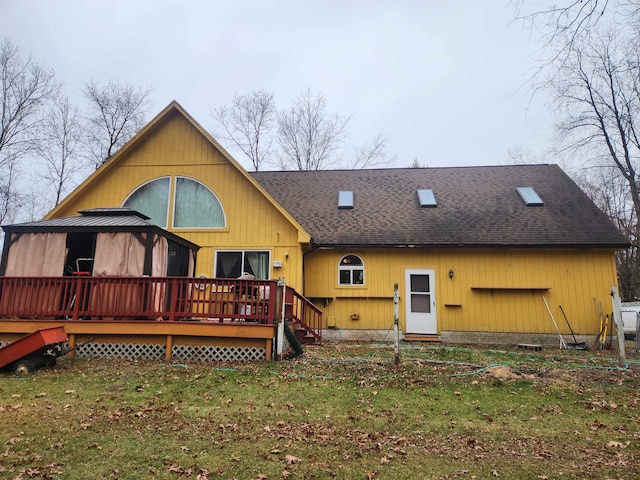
column 345, row 199
column 427, row 198
column 529, row 197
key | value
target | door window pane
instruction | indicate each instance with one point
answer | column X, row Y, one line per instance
column 420, row 303
column 419, row 283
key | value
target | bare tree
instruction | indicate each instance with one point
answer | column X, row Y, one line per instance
column 597, row 89
column 592, row 66
column 608, row 188
column 248, row 124
column 25, row 88
column 372, row 154
column 58, row 146
column 116, row 113
column 308, row 136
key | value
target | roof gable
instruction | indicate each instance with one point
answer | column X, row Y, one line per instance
column 476, row 206
column 171, row 111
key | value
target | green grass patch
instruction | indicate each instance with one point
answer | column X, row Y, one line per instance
column 340, row 411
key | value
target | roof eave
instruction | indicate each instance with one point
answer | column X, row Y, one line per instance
column 573, row 246
column 99, row 229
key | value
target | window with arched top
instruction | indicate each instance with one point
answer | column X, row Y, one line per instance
column 152, row 199
column 196, row 206
column 351, row 270
column 193, row 204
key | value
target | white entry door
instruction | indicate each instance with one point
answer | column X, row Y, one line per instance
column 420, row 301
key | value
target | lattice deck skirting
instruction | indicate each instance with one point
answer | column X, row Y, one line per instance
column 186, row 353
column 182, row 353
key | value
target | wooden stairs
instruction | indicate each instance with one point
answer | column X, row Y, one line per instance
column 415, row 337
column 303, row 333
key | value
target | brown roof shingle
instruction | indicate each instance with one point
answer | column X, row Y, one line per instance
column 476, row 206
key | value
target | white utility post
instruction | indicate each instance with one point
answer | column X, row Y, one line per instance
column 280, row 327
column 617, row 316
column 396, row 326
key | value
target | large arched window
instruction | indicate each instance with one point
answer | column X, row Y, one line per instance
column 152, row 199
column 196, row 206
column 193, row 204
column 351, row 270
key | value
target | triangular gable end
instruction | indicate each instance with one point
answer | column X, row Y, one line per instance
column 173, row 108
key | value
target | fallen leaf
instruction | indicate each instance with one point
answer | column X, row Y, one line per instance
column 291, row 459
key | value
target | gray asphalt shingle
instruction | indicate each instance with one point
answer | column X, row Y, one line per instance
column 476, row 206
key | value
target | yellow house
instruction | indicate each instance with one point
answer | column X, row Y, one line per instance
column 475, row 251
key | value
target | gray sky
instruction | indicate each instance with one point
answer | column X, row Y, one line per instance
column 442, row 80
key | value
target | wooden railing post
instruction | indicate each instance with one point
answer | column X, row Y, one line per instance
column 173, row 301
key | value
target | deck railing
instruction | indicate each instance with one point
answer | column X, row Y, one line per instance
column 139, row 298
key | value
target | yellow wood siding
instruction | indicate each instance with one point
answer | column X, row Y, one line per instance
column 491, row 290
column 177, row 148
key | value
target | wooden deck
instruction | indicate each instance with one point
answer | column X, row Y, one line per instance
column 180, row 317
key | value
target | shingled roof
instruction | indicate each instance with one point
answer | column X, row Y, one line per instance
column 476, row 206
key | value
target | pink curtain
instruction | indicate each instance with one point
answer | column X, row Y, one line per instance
column 37, row 255
column 118, row 254
column 159, row 269
column 34, row 255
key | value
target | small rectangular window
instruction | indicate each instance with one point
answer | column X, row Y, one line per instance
column 345, row 199
column 427, row 198
column 529, row 197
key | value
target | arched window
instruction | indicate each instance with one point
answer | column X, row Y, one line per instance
column 351, row 270
column 196, row 206
column 193, row 204
column 152, row 199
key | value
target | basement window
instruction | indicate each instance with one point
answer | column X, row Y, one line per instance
column 530, row 197
column 427, row 198
column 345, row 199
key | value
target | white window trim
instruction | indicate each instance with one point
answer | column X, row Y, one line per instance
column 351, row 268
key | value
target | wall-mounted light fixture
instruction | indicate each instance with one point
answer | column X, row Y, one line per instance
column 451, row 273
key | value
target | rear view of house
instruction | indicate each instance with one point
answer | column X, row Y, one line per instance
column 475, row 251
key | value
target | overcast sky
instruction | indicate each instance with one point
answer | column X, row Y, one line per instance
column 442, row 80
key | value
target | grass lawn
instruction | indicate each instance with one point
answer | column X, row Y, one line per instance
column 339, row 411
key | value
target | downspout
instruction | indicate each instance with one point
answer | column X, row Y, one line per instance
column 314, row 246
